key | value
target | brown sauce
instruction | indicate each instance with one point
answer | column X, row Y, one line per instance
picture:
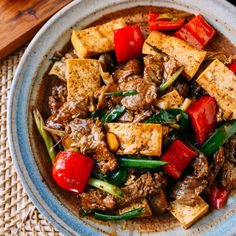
column 137, row 15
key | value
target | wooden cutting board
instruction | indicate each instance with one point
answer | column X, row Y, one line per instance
column 21, row 19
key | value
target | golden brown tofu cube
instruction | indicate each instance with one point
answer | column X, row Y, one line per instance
column 82, row 76
column 97, row 39
column 187, row 215
column 187, row 55
column 220, row 82
column 136, row 138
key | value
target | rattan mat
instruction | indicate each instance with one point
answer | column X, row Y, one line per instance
column 18, row 215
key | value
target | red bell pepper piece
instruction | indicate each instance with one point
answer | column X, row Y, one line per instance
column 178, row 156
column 196, row 32
column 71, row 170
column 128, row 43
column 163, row 24
column 218, row 196
column 232, row 66
column 203, row 114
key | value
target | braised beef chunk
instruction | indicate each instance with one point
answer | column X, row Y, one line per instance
column 132, row 67
column 58, row 97
column 227, row 176
column 215, row 167
column 141, row 116
column 187, row 189
column 158, row 68
column 145, row 185
column 68, row 111
column 104, row 160
column 87, row 136
column 147, row 94
column 96, row 199
column 182, row 87
column 84, row 134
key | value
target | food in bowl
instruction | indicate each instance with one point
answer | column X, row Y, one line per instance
column 142, row 119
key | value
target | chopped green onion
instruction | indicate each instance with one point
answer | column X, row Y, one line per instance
column 113, row 114
column 143, row 163
column 122, row 93
column 125, row 216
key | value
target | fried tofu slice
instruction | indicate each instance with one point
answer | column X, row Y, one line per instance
column 137, row 138
column 187, row 215
column 140, row 203
column 220, row 82
column 82, row 76
column 187, row 55
column 97, row 39
column 170, row 100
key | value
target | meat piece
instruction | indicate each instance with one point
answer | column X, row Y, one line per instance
column 215, row 166
column 87, row 136
column 182, row 87
column 145, row 185
column 84, row 134
column 153, row 68
column 104, row 160
column 230, row 149
column 132, row 67
column 158, row 68
column 141, row 116
column 146, row 96
column 58, row 97
column 227, row 176
column 187, row 190
column 96, row 199
column 126, row 117
column 68, row 111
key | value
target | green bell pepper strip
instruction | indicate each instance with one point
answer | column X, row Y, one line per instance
column 125, row 216
column 45, row 135
column 113, row 114
column 171, row 80
column 122, row 93
column 143, row 163
column 219, row 137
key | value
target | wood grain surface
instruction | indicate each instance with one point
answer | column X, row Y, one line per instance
column 21, row 19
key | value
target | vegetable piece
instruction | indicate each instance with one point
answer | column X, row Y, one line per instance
column 138, row 204
column 112, row 142
column 219, row 137
column 232, row 66
column 119, row 177
column 171, row 117
column 187, row 215
column 170, row 81
column 125, row 216
column 122, row 93
column 196, row 32
column 142, row 163
column 71, row 170
column 97, row 114
column 178, row 156
column 107, row 187
column 166, row 21
column 44, row 134
column 128, row 43
column 113, row 114
column 186, row 104
column 203, row 113
column 58, row 69
column 218, row 196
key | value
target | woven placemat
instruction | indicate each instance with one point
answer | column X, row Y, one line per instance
column 18, row 215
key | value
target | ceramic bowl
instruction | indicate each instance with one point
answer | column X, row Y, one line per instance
column 28, row 151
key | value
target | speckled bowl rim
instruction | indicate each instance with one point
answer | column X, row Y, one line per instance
column 17, row 125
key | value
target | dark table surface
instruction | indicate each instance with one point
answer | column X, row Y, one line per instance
column 233, row 2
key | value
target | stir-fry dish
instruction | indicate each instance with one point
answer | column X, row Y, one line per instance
column 143, row 121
